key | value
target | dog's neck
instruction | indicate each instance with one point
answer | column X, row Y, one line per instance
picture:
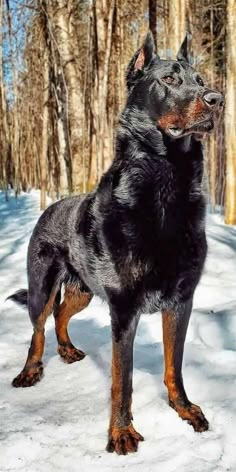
column 182, row 145
column 187, row 147
column 136, row 123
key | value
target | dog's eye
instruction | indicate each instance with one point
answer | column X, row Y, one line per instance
column 168, row 79
column 199, row 81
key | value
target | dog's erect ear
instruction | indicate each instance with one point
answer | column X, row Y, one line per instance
column 140, row 60
column 145, row 53
column 184, row 53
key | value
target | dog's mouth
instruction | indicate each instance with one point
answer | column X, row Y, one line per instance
column 175, row 131
column 200, row 128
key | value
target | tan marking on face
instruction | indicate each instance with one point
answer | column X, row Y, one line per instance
column 170, row 120
column 187, row 117
column 195, row 111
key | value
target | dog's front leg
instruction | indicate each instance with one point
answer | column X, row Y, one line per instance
column 175, row 324
column 122, row 436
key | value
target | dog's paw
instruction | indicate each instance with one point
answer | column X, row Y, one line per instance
column 193, row 415
column 28, row 377
column 70, row 354
column 123, row 440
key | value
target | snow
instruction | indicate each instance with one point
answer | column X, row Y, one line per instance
column 61, row 423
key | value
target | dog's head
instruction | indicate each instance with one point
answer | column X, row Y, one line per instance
column 173, row 92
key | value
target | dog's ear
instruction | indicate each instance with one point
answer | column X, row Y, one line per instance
column 184, row 53
column 140, row 60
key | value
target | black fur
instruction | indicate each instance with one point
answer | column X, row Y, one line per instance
column 20, row 297
column 138, row 240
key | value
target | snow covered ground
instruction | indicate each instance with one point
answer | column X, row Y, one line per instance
column 61, row 423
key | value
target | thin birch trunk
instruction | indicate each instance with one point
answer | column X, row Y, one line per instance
column 5, row 130
column 15, row 130
column 177, row 24
column 230, row 116
column 44, row 151
column 104, row 36
column 212, row 140
column 153, row 19
column 74, row 92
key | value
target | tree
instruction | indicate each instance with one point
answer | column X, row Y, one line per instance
column 230, row 116
column 70, row 133
column 61, row 13
column 45, row 124
column 176, row 24
column 153, row 19
column 4, row 128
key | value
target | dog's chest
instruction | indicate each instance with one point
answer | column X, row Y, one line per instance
column 161, row 208
column 162, row 221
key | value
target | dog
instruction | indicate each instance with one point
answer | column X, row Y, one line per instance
column 137, row 241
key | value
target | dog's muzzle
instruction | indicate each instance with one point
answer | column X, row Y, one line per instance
column 214, row 101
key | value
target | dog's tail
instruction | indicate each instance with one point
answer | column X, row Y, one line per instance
column 20, row 297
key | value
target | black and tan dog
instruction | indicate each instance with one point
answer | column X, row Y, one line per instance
column 137, row 241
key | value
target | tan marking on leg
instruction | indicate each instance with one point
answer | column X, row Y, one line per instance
column 116, row 385
column 122, row 439
column 74, row 302
column 33, row 369
column 169, row 343
column 177, row 396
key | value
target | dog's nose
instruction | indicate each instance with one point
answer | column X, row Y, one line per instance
column 214, row 100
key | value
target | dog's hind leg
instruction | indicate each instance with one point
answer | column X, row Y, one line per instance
column 44, row 284
column 33, row 369
column 74, row 301
column 175, row 323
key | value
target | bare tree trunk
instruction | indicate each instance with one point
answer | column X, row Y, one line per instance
column 153, row 19
column 165, row 20
column 63, row 35
column 230, row 116
column 92, row 102
column 3, row 108
column 104, row 35
column 177, row 24
column 63, row 136
column 212, row 139
column 44, row 153
column 15, row 128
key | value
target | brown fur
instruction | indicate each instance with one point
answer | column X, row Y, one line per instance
column 33, row 369
column 74, row 302
column 116, row 385
column 192, row 414
column 191, row 114
column 195, row 111
column 177, row 397
column 171, row 119
column 169, row 339
column 123, row 440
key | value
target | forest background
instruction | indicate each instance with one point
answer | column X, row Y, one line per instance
column 62, row 86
